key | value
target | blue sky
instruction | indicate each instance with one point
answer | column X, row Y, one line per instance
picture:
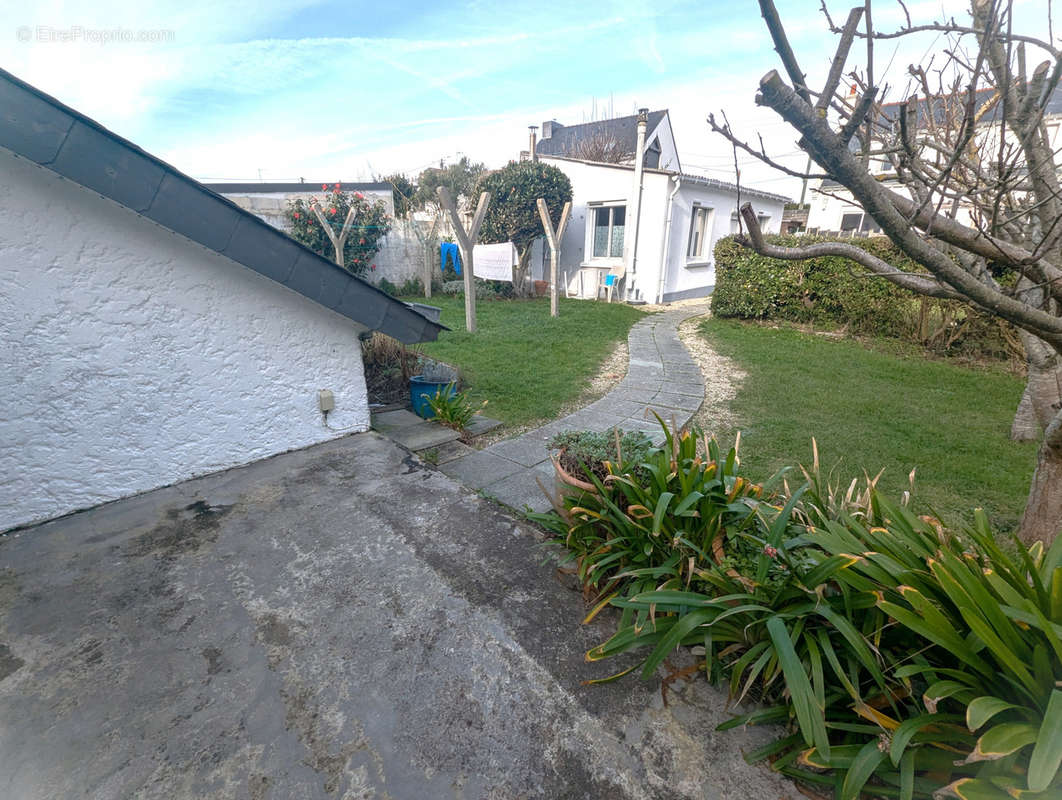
column 345, row 90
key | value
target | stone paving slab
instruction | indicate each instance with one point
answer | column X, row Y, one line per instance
column 480, row 469
column 481, row 424
column 451, row 451
column 388, row 421
column 423, row 436
column 521, row 490
column 683, row 401
column 524, row 450
column 683, row 387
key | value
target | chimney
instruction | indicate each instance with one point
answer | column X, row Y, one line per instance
column 531, row 131
column 549, row 127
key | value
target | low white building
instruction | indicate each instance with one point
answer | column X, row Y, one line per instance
column 668, row 253
column 269, row 201
column 153, row 331
column 652, row 229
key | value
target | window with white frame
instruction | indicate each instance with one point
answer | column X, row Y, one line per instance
column 735, row 223
column 700, row 231
column 607, row 223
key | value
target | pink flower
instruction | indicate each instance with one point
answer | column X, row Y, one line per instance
column 337, row 187
column 770, row 552
column 374, row 268
column 359, row 195
column 332, row 211
column 296, row 215
column 361, row 241
column 324, row 187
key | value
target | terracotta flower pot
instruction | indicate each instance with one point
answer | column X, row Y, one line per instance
column 567, row 484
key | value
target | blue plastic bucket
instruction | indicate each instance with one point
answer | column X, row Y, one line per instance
column 421, row 389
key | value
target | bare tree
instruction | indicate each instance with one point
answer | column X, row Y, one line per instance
column 978, row 205
column 604, row 148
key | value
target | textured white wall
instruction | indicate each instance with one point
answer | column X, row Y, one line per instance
column 686, row 275
column 131, row 358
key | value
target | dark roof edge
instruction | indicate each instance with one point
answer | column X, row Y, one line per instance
column 41, row 129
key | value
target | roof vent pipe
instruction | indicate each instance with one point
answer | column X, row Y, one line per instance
column 634, row 213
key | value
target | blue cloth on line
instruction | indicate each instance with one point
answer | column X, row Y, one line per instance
column 452, row 251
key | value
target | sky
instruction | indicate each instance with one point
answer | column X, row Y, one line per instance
column 278, row 90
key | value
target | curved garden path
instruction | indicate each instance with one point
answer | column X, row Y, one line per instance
column 662, row 376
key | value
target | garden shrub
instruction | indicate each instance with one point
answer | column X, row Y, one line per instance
column 588, row 451
column 905, row 659
column 830, row 292
column 363, row 242
column 485, row 290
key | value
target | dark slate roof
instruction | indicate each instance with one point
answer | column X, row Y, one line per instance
column 289, row 188
column 566, row 139
column 940, row 104
column 39, row 128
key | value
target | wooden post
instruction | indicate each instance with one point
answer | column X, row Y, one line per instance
column 554, row 238
column 466, row 240
column 427, row 243
column 337, row 241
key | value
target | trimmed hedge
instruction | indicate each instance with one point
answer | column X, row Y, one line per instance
column 830, row 292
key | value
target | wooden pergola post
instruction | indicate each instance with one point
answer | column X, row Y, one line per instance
column 337, row 241
column 554, row 238
column 466, row 240
column 427, row 243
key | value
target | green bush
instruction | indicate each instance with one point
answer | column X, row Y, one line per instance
column 589, row 451
column 831, row 292
column 907, row 661
column 363, row 241
column 451, row 408
column 485, row 290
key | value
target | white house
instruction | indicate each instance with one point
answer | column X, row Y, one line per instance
column 832, row 208
column 153, row 331
column 654, row 229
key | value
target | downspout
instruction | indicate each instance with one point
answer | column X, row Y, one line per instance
column 636, row 199
column 667, row 238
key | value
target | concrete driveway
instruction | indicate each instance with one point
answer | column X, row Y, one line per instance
column 338, row 622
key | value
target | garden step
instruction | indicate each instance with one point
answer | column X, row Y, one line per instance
column 388, row 421
column 423, row 436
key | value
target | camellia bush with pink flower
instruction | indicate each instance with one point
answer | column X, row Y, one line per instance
column 371, row 224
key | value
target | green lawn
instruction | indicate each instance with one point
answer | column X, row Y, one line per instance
column 526, row 364
column 870, row 410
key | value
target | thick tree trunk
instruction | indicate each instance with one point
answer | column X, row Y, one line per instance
column 522, row 283
column 1043, row 510
column 1025, row 428
column 1042, row 520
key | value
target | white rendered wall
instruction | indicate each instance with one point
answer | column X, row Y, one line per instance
column 595, row 183
column 133, row 358
column 692, row 277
